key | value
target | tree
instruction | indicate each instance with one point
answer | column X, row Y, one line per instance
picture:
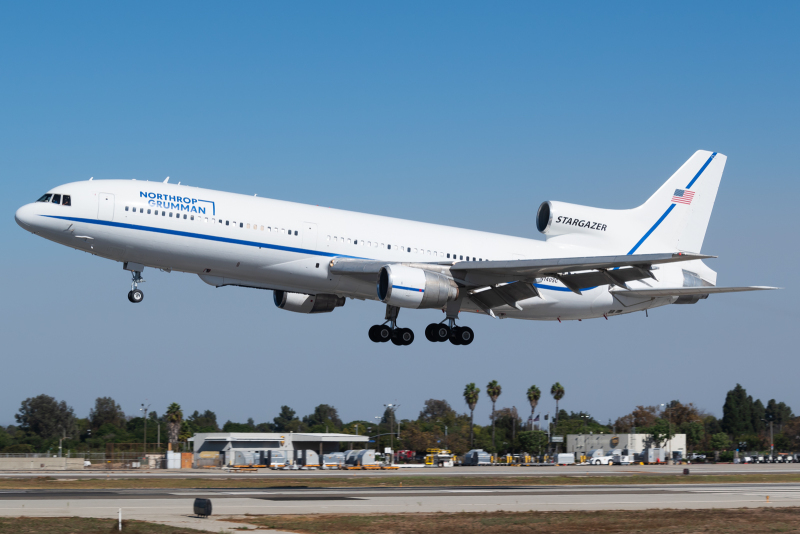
column 324, row 416
column 471, row 393
column 720, row 442
column 46, row 417
column 205, row 422
column 435, row 410
column 557, row 391
column 694, row 432
column 534, row 394
column 641, row 417
column 493, row 389
column 757, row 416
column 106, row 411
column 778, row 413
column 286, row 420
column 174, row 420
column 737, row 412
column 533, row 441
column 660, row 432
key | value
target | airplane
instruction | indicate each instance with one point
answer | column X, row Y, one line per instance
column 593, row 263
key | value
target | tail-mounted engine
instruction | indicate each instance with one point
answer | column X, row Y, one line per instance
column 411, row 287
column 302, row 303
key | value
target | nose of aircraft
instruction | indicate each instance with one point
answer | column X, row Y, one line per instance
column 24, row 217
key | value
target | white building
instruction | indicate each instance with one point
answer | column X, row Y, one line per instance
column 583, row 443
column 227, row 443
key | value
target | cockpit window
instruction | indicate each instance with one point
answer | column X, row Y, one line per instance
column 56, row 199
column 45, row 198
column 66, row 201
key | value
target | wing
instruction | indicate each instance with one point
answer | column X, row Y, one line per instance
column 574, row 273
column 686, row 291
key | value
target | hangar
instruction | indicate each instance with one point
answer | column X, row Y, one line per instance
column 227, row 444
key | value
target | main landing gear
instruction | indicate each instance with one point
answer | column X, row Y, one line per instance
column 136, row 295
column 381, row 333
column 457, row 335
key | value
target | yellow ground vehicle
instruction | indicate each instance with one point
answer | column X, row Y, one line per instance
column 439, row 458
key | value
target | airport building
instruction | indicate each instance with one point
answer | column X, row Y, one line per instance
column 227, row 444
column 583, row 443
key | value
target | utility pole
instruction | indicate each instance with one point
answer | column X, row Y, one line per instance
column 378, row 433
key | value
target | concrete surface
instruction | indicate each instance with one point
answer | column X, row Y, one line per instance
column 41, row 464
column 174, row 507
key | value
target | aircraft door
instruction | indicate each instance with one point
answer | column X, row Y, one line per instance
column 105, row 206
column 310, row 236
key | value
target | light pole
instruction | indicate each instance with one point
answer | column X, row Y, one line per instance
column 378, row 433
column 669, row 430
column 392, row 408
column 771, row 442
column 445, row 432
column 144, row 409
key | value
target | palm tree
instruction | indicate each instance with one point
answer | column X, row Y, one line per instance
column 533, row 397
column 174, row 420
column 493, row 389
column 471, row 396
column 557, row 391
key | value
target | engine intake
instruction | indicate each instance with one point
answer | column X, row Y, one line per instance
column 411, row 287
column 302, row 303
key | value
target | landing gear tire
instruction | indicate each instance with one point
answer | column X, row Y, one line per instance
column 407, row 336
column 373, row 333
column 455, row 338
column 466, row 335
column 441, row 332
column 136, row 296
column 384, row 333
column 429, row 332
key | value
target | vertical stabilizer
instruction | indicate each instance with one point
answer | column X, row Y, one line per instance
column 676, row 216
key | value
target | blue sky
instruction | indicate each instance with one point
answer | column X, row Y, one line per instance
column 466, row 114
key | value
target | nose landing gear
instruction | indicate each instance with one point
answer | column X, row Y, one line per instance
column 136, row 295
column 381, row 333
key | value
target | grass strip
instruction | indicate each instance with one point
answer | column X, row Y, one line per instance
column 344, row 481
column 750, row 520
column 84, row 525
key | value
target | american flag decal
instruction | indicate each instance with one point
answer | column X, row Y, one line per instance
column 683, row 196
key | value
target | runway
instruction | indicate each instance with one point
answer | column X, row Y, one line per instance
column 174, row 507
column 615, row 470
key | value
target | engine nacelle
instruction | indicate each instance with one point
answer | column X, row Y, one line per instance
column 302, row 303
column 410, row 287
column 560, row 218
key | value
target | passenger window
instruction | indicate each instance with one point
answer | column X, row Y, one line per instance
column 448, row 255
column 56, row 199
column 126, row 208
column 184, row 216
column 329, row 238
column 295, row 232
column 241, row 225
column 141, row 210
column 462, row 257
column 163, row 213
column 170, row 214
column 262, row 227
column 190, row 218
column 388, row 247
column 148, row 212
column 355, row 241
column 45, row 198
column 248, row 226
column 409, row 249
column 66, row 201
column 205, row 219
column 227, row 223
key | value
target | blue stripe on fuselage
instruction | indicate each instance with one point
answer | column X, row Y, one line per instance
column 204, row 236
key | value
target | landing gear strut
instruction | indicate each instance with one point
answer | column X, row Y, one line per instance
column 136, row 295
column 381, row 333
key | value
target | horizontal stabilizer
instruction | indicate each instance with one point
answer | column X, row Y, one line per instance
column 686, row 291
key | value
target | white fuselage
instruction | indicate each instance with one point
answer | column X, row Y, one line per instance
column 232, row 239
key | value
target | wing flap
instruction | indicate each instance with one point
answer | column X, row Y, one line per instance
column 686, row 291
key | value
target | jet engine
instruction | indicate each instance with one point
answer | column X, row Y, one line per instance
column 411, row 287
column 302, row 303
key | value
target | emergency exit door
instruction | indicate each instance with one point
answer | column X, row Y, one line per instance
column 310, row 236
column 105, row 206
